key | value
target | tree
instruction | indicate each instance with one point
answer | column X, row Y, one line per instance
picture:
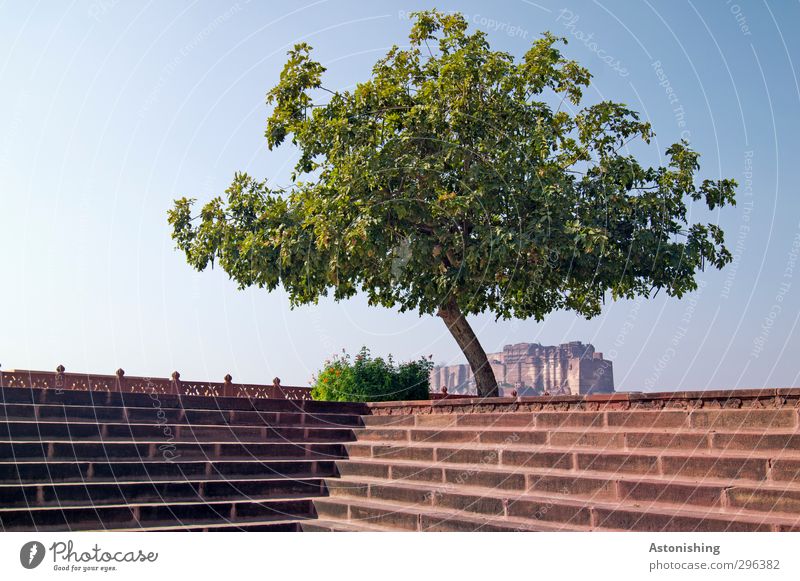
column 456, row 180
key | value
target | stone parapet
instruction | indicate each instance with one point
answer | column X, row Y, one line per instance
column 717, row 399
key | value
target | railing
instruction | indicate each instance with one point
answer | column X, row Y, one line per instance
column 444, row 395
column 160, row 385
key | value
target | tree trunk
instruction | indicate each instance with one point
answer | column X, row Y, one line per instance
column 465, row 337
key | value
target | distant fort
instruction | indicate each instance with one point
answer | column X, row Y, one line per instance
column 534, row 369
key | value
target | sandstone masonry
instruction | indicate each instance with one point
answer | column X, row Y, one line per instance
column 532, row 369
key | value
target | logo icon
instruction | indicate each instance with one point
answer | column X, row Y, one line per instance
column 31, row 554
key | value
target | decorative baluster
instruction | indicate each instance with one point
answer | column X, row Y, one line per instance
column 60, row 379
column 58, row 382
column 120, row 379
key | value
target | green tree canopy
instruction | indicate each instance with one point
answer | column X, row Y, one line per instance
column 456, row 180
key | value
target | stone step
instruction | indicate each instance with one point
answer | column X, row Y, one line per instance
column 187, row 490
column 100, row 461
column 145, row 514
column 42, row 430
column 277, row 525
column 620, row 438
column 318, row 525
column 161, row 450
column 165, row 401
column 535, row 508
column 151, row 415
column 777, row 466
column 702, row 418
column 752, row 495
column 359, row 514
column 77, row 471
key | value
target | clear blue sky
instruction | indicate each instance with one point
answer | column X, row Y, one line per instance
column 110, row 109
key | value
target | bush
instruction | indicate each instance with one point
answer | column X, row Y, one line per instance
column 366, row 379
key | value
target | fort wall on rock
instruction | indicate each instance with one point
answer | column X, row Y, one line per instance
column 571, row 368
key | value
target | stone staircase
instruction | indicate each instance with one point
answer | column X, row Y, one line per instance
column 713, row 461
column 702, row 461
column 83, row 460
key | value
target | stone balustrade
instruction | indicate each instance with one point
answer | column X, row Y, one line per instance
column 119, row 382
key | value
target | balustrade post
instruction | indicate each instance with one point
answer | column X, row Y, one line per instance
column 276, row 385
column 61, row 381
column 176, row 383
column 227, row 389
column 120, row 379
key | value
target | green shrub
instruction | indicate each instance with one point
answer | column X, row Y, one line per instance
column 363, row 378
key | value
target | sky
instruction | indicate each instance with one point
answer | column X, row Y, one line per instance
column 110, row 110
